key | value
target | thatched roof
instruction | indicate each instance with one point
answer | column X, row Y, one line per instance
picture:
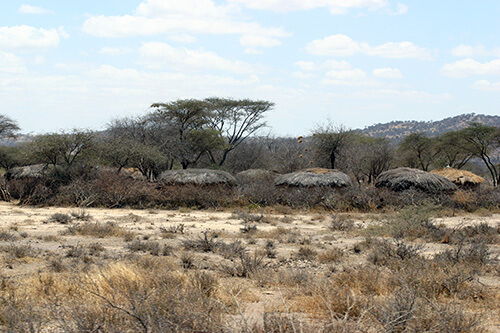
column 401, row 179
column 459, row 177
column 314, row 177
column 29, row 171
column 255, row 174
column 197, row 177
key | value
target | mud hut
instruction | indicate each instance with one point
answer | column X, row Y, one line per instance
column 314, row 177
column 30, row 171
column 401, row 179
column 197, row 177
column 461, row 178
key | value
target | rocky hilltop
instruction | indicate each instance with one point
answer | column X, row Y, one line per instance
column 397, row 130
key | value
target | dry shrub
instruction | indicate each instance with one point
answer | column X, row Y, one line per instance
column 153, row 248
column 306, row 253
column 203, row 197
column 59, row 218
column 464, row 199
column 109, row 189
column 206, row 242
column 333, row 254
column 259, row 192
column 97, row 229
column 340, row 223
column 394, row 255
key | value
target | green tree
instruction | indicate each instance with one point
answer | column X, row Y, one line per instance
column 236, row 120
column 62, row 149
column 418, row 151
column 189, row 136
column 10, row 157
column 8, row 127
column 453, row 149
column 480, row 141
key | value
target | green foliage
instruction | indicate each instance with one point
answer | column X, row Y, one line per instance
column 8, row 127
column 418, row 151
column 10, row 157
column 62, row 149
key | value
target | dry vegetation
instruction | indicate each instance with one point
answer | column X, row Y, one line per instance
column 273, row 270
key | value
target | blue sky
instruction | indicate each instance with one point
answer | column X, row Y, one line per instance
column 79, row 64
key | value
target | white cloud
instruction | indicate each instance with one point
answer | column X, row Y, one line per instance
column 388, row 73
column 259, row 41
column 467, row 67
column 401, row 9
column 162, row 55
column 28, row 9
column 10, row 63
column 309, row 69
column 115, row 50
column 342, row 45
column 306, row 65
column 474, row 51
column 487, row 85
column 24, row 38
column 348, row 77
column 335, row 6
column 153, row 17
column 335, row 45
column 183, row 38
column 104, row 92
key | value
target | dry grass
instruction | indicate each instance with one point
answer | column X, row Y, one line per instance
column 298, row 277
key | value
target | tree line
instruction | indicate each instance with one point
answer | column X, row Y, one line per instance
column 227, row 134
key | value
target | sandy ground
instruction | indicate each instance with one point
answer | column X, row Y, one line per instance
column 35, row 229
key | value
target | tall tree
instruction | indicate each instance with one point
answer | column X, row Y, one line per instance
column 453, row 149
column 480, row 141
column 61, row 149
column 8, row 127
column 187, row 120
column 418, row 151
column 329, row 142
column 236, row 120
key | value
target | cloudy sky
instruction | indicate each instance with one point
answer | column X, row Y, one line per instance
column 67, row 64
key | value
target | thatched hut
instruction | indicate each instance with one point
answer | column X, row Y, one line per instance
column 29, row 171
column 461, row 178
column 314, row 177
column 401, row 179
column 255, row 175
column 197, row 177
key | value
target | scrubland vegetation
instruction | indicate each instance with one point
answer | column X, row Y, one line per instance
column 247, row 257
column 246, row 271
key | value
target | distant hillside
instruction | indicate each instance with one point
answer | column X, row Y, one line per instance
column 397, row 130
column 19, row 139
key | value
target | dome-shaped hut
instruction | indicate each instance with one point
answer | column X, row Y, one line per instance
column 196, row 177
column 461, row 178
column 28, row 171
column 255, row 175
column 401, row 179
column 314, row 177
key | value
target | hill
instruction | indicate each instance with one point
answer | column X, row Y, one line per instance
column 397, row 130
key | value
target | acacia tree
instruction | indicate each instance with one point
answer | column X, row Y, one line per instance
column 453, row 149
column 8, row 127
column 480, row 140
column 236, row 120
column 368, row 157
column 186, row 120
column 418, row 151
column 329, row 142
column 62, row 149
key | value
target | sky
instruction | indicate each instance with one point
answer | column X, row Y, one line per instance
column 81, row 64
